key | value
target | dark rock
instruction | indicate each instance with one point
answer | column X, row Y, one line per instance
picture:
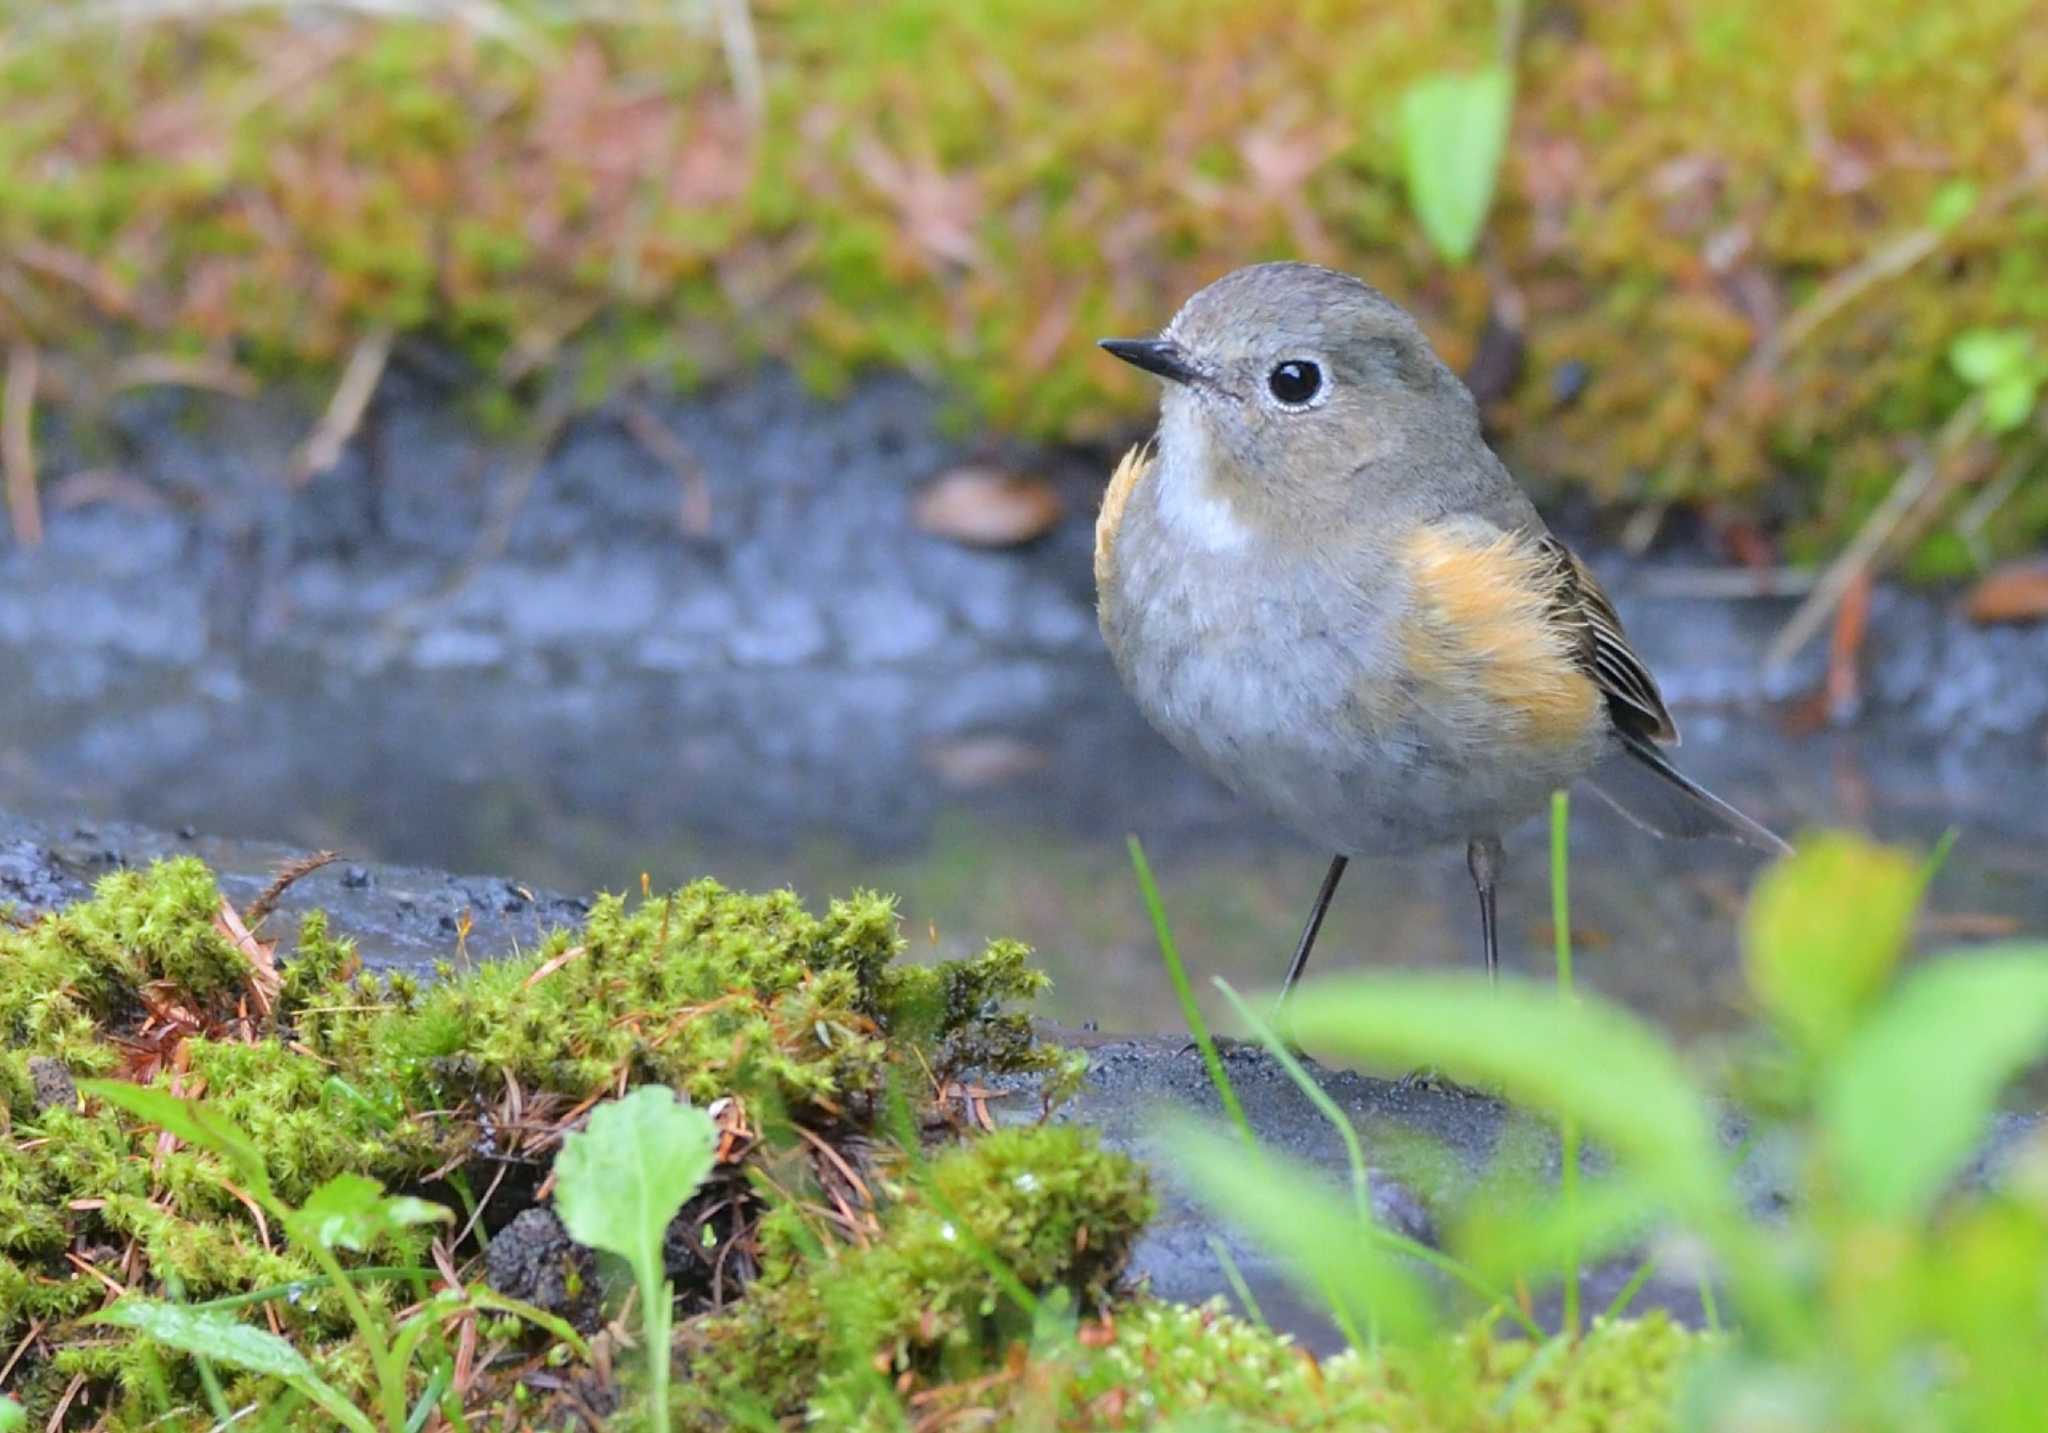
column 533, row 1258
column 40, row 872
column 52, row 1081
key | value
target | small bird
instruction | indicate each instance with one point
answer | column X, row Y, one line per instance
column 1323, row 587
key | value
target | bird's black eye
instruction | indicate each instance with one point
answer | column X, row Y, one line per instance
column 1295, row 382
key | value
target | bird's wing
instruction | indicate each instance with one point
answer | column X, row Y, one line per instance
column 1604, row 654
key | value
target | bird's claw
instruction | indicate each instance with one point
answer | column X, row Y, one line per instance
column 1433, row 1080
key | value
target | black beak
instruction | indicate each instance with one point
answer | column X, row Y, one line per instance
column 1155, row 355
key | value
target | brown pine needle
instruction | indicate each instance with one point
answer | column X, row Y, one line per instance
column 289, row 874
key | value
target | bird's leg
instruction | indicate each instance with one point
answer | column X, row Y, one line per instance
column 1316, row 913
column 1484, row 858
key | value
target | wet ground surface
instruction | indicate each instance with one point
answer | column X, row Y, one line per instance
column 1457, row 1150
column 1449, row 1145
column 425, row 659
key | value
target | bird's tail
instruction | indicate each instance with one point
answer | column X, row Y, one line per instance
column 1638, row 782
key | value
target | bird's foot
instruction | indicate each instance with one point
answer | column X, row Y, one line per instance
column 1226, row 1046
column 1434, row 1081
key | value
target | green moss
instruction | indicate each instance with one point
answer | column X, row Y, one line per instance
column 796, row 1018
column 90, row 964
column 1168, row 1364
column 976, row 191
column 820, row 1327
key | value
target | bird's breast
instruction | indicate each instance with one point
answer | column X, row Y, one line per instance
column 1411, row 696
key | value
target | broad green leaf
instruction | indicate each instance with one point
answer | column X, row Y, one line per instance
column 218, row 1336
column 1454, row 128
column 1982, row 356
column 1580, row 1058
column 1328, row 1251
column 619, row 1180
column 352, row 1211
column 195, row 1122
column 2009, row 402
column 1909, row 1098
column 12, row 1415
column 1825, row 929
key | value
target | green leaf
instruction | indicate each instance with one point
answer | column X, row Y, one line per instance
column 12, row 1415
column 621, row 1179
column 1951, row 204
column 1528, row 1233
column 1983, row 356
column 1910, row 1096
column 1329, row 1252
column 1454, row 128
column 218, row 1336
column 352, row 1211
column 1825, row 929
column 209, row 1334
column 1580, row 1058
column 2009, row 402
column 193, row 1121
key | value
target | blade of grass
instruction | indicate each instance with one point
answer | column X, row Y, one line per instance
column 1534, row 1369
column 1938, row 857
column 1324, row 1250
column 1361, row 1178
column 1234, row 1276
column 216, row 1397
column 1568, row 1128
column 485, row 1297
column 1177, row 973
column 905, row 1129
column 1710, row 1310
column 1361, row 1181
column 429, row 1396
column 1626, row 1294
column 312, row 1284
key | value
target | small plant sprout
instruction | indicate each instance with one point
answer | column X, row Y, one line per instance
column 2007, row 367
column 1454, row 132
column 618, row 1183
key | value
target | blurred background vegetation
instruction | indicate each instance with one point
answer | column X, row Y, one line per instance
column 1731, row 249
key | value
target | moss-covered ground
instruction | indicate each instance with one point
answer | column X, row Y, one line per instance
column 822, row 1274
column 1743, row 234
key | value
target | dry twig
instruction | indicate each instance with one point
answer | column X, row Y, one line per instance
column 668, row 450
column 18, row 444
column 171, row 370
column 324, row 446
column 742, row 56
column 1887, row 262
column 1869, row 543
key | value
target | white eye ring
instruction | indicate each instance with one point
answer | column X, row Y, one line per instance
column 1295, row 385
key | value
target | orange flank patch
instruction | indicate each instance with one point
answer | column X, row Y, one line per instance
column 1129, row 473
column 1484, row 640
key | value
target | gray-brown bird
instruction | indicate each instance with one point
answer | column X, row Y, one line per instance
column 1323, row 587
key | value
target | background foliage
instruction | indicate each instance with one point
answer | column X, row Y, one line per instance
column 1740, row 237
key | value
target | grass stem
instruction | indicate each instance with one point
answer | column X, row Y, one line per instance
column 1568, row 1130
column 1190, row 1011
